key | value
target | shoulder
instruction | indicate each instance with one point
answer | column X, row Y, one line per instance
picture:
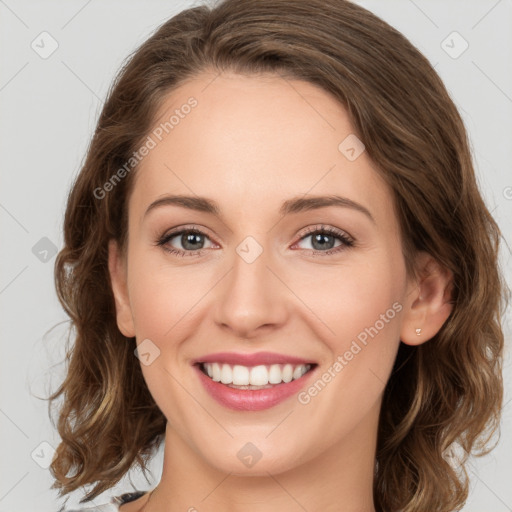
column 114, row 503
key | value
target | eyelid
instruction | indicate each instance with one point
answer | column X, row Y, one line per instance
column 186, row 228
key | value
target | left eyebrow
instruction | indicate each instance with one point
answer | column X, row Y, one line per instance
column 291, row 206
column 301, row 204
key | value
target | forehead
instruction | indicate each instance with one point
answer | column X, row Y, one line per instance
column 250, row 142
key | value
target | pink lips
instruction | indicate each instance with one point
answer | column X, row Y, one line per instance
column 251, row 359
column 247, row 399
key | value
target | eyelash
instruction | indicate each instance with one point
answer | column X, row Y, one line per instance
column 347, row 242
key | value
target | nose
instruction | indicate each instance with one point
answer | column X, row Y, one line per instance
column 252, row 299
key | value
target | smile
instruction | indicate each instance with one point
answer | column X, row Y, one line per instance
column 252, row 382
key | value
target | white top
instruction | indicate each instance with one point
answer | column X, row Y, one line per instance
column 114, row 503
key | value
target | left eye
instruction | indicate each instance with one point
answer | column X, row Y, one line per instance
column 323, row 237
column 321, row 240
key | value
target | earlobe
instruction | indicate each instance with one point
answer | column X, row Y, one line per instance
column 117, row 271
column 428, row 303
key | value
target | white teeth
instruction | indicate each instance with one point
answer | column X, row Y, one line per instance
column 261, row 375
column 241, row 375
column 287, row 373
column 226, row 374
column 274, row 375
column 215, row 368
column 258, row 377
column 297, row 373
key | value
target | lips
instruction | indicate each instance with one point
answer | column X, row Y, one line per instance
column 251, row 382
column 259, row 358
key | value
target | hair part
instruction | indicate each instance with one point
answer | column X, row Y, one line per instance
column 446, row 390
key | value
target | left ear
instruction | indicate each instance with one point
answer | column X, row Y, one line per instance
column 428, row 304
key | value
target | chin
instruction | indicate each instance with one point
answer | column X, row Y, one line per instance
column 253, row 458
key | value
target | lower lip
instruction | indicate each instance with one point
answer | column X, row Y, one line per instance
column 251, row 400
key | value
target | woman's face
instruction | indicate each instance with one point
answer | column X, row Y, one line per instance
column 261, row 275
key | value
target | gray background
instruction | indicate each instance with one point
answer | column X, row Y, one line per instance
column 49, row 109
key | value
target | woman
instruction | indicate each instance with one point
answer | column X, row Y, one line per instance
column 278, row 263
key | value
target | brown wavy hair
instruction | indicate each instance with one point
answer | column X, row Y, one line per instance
column 448, row 390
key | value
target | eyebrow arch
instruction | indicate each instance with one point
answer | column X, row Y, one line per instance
column 293, row 205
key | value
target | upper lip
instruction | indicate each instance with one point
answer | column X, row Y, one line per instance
column 258, row 358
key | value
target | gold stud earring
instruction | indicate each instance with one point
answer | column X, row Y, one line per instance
column 418, row 332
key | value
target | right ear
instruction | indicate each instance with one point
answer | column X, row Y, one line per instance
column 117, row 270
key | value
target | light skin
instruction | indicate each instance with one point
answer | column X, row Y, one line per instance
column 252, row 143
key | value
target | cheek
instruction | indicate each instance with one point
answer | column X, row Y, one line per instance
column 162, row 310
column 353, row 296
column 359, row 309
column 160, row 297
